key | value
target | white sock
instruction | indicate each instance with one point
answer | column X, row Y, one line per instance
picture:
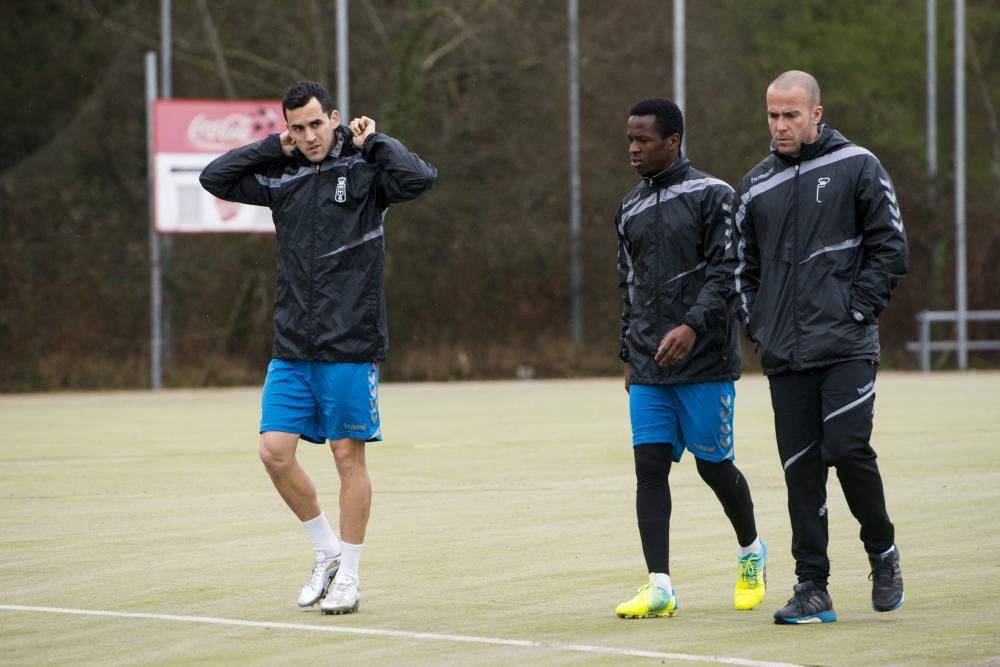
column 322, row 535
column 350, row 558
column 888, row 551
column 662, row 580
column 750, row 548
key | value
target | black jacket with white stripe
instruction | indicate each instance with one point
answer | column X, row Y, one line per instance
column 673, row 269
column 819, row 247
column 330, row 302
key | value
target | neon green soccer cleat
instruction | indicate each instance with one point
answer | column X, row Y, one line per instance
column 752, row 580
column 650, row 601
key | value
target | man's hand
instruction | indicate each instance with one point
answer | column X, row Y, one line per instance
column 675, row 345
column 628, row 377
column 287, row 143
column 361, row 128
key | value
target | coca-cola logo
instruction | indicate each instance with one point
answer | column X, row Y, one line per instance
column 235, row 129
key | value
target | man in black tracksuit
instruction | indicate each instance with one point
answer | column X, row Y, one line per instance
column 329, row 187
column 820, row 246
column 680, row 345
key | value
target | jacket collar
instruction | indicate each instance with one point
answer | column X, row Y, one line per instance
column 342, row 146
column 672, row 174
column 828, row 140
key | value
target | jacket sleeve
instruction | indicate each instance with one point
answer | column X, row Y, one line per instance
column 625, row 278
column 712, row 307
column 240, row 174
column 746, row 260
column 884, row 241
column 403, row 175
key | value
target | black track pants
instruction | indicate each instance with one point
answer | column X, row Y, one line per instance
column 822, row 418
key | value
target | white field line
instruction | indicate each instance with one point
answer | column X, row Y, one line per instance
column 400, row 634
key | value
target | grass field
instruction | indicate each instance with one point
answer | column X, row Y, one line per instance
column 502, row 532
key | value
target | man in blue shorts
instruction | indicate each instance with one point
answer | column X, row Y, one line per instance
column 329, row 187
column 680, row 345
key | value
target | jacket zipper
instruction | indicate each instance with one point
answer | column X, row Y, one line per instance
column 312, row 265
column 796, row 353
column 657, row 236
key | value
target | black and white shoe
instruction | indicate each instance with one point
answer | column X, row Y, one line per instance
column 324, row 570
column 810, row 603
column 887, row 580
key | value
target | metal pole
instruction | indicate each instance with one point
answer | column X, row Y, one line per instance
column 166, row 39
column 932, row 158
column 679, row 59
column 960, row 292
column 925, row 341
column 155, row 277
column 575, row 260
column 166, row 241
column 343, row 94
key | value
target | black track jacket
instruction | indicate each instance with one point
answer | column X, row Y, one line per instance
column 673, row 229
column 820, row 247
column 329, row 304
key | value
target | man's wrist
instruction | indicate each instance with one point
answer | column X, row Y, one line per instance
column 273, row 146
column 860, row 314
column 366, row 144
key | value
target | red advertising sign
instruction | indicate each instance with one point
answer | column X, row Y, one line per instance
column 187, row 135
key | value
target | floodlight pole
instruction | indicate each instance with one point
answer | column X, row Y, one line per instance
column 932, row 157
column 166, row 39
column 165, row 240
column 155, row 274
column 679, row 60
column 961, row 297
column 575, row 260
column 343, row 83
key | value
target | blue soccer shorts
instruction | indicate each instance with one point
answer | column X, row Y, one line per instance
column 321, row 400
column 697, row 417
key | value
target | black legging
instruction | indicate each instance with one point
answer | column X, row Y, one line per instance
column 653, row 504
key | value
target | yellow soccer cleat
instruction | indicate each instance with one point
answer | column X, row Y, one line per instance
column 752, row 580
column 650, row 601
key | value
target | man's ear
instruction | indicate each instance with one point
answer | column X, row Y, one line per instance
column 335, row 117
column 817, row 114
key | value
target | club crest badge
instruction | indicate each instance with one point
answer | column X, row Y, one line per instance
column 340, row 195
column 820, row 184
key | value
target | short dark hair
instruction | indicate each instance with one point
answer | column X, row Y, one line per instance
column 669, row 119
column 299, row 94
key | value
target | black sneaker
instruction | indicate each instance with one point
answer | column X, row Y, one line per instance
column 887, row 581
column 809, row 604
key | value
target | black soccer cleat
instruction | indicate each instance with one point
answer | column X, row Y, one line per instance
column 809, row 604
column 887, row 581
